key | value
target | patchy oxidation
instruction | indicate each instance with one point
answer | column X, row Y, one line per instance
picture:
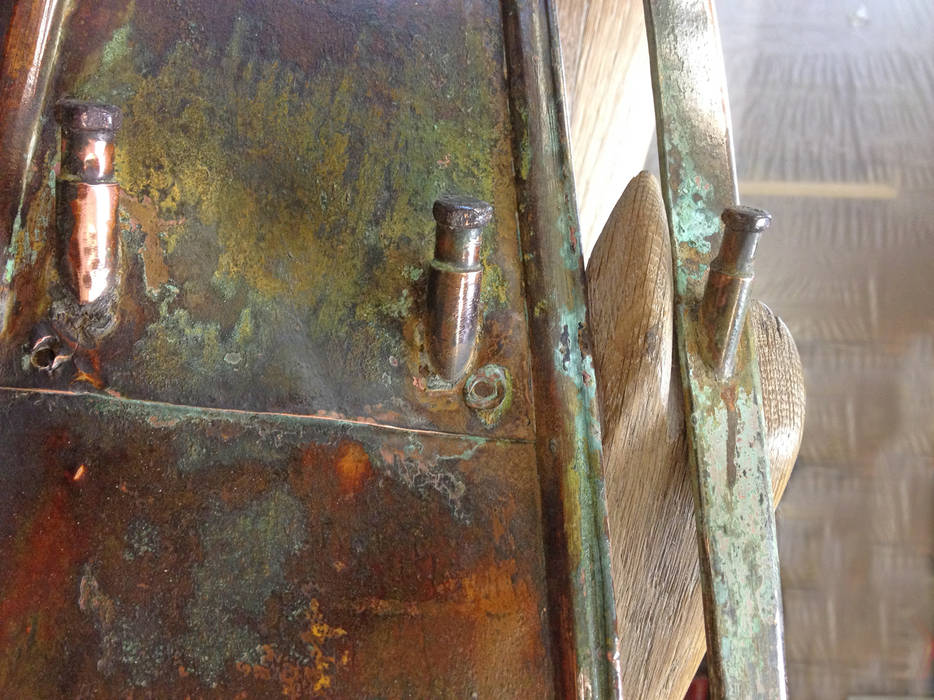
column 275, row 199
column 209, row 569
column 583, row 616
column 243, row 479
column 489, row 393
column 732, row 486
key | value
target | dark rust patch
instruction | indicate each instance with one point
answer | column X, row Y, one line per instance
column 242, row 553
column 729, row 399
column 242, row 527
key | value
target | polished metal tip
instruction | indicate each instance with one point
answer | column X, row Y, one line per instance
column 79, row 115
column 746, row 218
column 460, row 212
column 723, row 307
column 742, row 228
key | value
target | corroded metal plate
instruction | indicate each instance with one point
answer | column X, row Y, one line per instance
column 276, row 203
column 243, row 479
column 176, row 550
column 726, row 427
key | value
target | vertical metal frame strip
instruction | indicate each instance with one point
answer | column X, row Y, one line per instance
column 29, row 49
column 726, row 427
column 567, row 420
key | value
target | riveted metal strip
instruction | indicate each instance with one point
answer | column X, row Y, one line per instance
column 726, row 428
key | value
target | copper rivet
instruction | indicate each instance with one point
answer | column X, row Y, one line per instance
column 722, row 312
column 454, row 283
column 86, row 197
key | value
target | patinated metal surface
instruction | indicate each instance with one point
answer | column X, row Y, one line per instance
column 242, row 473
column 276, row 212
column 735, row 522
column 181, row 551
column 568, row 438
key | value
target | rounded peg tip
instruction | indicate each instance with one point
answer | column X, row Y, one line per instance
column 746, row 218
column 80, row 115
column 457, row 211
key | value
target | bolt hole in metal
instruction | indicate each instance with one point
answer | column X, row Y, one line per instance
column 486, row 388
column 43, row 359
column 46, row 354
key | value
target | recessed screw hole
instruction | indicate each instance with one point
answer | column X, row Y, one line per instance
column 43, row 358
column 486, row 389
column 46, row 352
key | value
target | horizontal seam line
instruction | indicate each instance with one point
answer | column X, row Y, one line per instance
column 276, row 414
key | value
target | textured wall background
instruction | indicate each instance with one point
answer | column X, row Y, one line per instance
column 832, row 107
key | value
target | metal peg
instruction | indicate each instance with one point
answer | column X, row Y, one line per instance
column 726, row 297
column 86, row 197
column 454, row 283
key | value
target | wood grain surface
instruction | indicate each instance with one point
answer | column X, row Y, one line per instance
column 609, row 91
column 650, row 503
column 833, row 115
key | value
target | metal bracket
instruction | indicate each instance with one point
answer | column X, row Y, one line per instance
column 720, row 373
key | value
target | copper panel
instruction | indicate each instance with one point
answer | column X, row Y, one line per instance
column 238, row 472
column 278, row 165
column 208, row 553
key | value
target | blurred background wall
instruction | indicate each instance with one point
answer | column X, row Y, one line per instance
column 833, row 111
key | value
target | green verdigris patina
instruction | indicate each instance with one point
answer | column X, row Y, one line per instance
column 240, row 477
column 726, row 429
column 290, row 189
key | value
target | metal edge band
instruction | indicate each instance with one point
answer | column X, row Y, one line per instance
column 24, row 81
column 726, row 427
column 568, row 441
column 321, row 419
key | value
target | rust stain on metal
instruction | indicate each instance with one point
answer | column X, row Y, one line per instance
column 145, row 215
column 353, row 468
column 277, row 498
column 308, row 672
column 248, row 542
